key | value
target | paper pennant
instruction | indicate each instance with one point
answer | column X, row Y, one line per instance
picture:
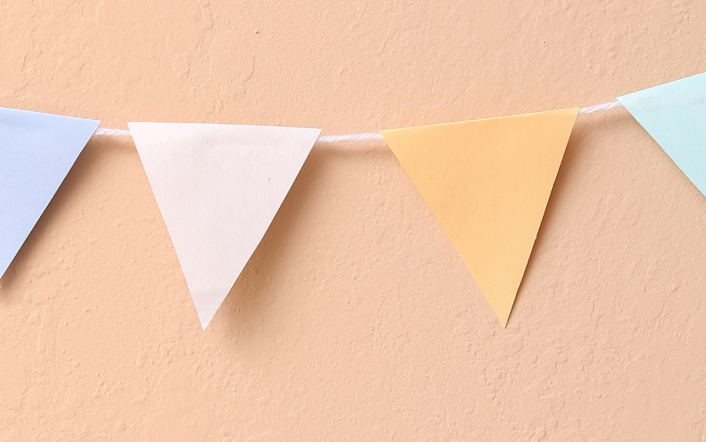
column 218, row 187
column 674, row 114
column 37, row 151
column 488, row 183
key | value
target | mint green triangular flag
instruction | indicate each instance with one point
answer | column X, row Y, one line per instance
column 675, row 115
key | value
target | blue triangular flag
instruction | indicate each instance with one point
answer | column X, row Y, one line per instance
column 36, row 153
column 675, row 115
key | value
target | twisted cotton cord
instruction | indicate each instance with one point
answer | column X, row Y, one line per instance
column 600, row 107
column 350, row 137
column 106, row 132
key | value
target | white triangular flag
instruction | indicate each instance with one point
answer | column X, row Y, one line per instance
column 218, row 187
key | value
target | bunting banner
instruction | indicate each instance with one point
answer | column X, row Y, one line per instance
column 218, row 187
column 38, row 150
column 674, row 114
column 488, row 183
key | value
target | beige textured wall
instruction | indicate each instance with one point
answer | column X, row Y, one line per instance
column 355, row 319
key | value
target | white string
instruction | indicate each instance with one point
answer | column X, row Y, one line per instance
column 350, row 137
column 106, row 132
column 600, row 107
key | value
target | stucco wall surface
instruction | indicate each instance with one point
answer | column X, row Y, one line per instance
column 356, row 319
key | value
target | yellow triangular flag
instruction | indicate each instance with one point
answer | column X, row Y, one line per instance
column 488, row 183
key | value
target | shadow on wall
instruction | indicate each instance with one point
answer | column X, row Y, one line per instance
column 24, row 262
column 572, row 166
column 245, row 305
